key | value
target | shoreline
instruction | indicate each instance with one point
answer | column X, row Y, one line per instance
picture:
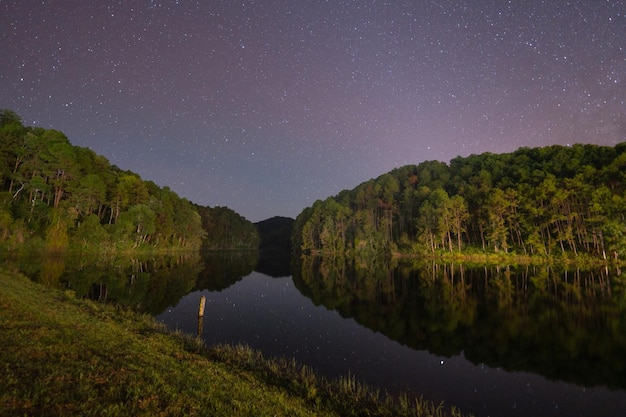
column 64, row 355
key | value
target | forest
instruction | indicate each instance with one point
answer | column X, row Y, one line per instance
column 55, row 196
column 555, row 200
column 544, row 202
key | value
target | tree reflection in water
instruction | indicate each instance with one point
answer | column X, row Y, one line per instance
column 564, row 324
column 481, row 337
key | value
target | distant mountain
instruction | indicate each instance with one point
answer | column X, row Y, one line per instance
column 275, row 232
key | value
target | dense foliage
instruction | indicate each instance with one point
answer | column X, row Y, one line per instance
column 227, row 229
column 55, row 194
column 536, row 201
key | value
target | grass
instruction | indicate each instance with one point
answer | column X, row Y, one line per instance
column 65, row 356
column 480, row 256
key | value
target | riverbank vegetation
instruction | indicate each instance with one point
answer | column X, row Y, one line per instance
column 55, row 195
column 67, row 356
column 538, row 203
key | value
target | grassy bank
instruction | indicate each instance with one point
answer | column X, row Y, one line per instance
column 482, row 257
column 64, row 356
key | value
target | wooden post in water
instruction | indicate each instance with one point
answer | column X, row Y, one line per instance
column 200, row 325
column 201, row 315
column 201, row 308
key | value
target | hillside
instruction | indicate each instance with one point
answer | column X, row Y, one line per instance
column 541, row 202
column 275, row 232
column 56, row 195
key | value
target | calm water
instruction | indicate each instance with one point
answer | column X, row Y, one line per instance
column 493, row 341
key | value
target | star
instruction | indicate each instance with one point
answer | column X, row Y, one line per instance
column 230, row 103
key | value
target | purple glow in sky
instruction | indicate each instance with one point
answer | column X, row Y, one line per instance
column 265, row 106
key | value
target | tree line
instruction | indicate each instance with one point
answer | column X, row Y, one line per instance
column 54, row 194
column 535, row 201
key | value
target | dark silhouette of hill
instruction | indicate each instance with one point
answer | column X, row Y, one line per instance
column 275, row 232
column 275, row 246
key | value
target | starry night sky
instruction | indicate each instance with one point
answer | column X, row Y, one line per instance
column 265, row 106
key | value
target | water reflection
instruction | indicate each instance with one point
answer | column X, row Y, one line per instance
column 223, row 269
column 482, row 338
column 146, row 284
column 495, row 340
column 565, row 325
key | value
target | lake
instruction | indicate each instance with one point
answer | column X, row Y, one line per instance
column 496, row 340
